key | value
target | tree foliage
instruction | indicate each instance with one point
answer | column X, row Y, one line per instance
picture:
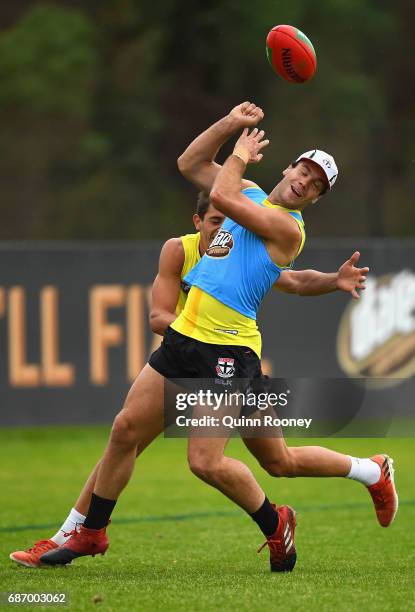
column 98, row 99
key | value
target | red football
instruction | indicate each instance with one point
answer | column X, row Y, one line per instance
column 291, row 54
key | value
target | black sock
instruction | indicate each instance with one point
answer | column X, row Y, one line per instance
column 99, row 512
column 266, row 518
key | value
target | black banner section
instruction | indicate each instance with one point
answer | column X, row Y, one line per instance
column 74, row 329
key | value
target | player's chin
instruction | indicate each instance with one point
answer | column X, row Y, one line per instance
column 292, row 199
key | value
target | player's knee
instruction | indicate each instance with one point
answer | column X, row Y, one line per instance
column 123, row 431
column 199, row 468
column 203, row 466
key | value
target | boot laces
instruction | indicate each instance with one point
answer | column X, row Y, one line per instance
column 275, row 546
column 41, row 545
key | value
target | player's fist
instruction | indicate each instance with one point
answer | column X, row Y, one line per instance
column 246, row 114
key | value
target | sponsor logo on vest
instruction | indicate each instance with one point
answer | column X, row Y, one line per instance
column 221, row 245
column 185, row 286
column 376, row 336
column 234, row 332
column 225, row 367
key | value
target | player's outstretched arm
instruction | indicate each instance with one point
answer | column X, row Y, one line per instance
column 197, row 162
column 166, row 286
column 348, row 278
column 279, row 230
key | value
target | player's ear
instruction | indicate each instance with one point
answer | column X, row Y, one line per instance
column 197, row 221
column 286, row 171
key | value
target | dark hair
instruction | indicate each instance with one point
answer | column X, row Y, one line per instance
column 202, row 205
column 295, row 163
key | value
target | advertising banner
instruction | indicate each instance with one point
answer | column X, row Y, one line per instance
column 74, row 329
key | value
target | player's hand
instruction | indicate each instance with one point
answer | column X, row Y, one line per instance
column 246, row 114
column 350, row 278
column 253, row 143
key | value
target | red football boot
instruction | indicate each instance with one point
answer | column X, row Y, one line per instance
column 31, row 556
column 281, row 545
column 383, row 492
column 81, row 543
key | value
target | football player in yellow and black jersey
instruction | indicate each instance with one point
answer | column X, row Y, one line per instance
column 169, row 293
column 262, row 236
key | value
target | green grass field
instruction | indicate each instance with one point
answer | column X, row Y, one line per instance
column 178, row 544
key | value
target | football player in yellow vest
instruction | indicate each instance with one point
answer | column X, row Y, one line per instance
column 274, row 231
column 169, row 293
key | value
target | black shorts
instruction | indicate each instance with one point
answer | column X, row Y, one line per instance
column 181, row 357
column 190, row 365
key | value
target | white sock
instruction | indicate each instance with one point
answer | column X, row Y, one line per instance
column 73, row 521
column 365, row 471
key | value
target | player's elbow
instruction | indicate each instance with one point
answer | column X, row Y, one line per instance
column 293, row 288
column 184, row 165
column 288, row 284
column 192, row 170
column 296, row 288
column 181, row 164
column 219, row 199
column 157, row 323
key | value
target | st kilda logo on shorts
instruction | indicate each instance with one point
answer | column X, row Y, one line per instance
column 221, row 245
column 225, row 367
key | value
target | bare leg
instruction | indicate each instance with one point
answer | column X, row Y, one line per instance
column 233, row 478
column 278, row 459
column 139, row 422
column 135, row 427
column 84, row 498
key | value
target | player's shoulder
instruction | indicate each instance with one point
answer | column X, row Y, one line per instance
column 172, row 254
column 253, row 191
column 246, row 184
column 190, row 238
column 173, row 245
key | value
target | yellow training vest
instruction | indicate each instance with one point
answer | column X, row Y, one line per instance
column 191, row 244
